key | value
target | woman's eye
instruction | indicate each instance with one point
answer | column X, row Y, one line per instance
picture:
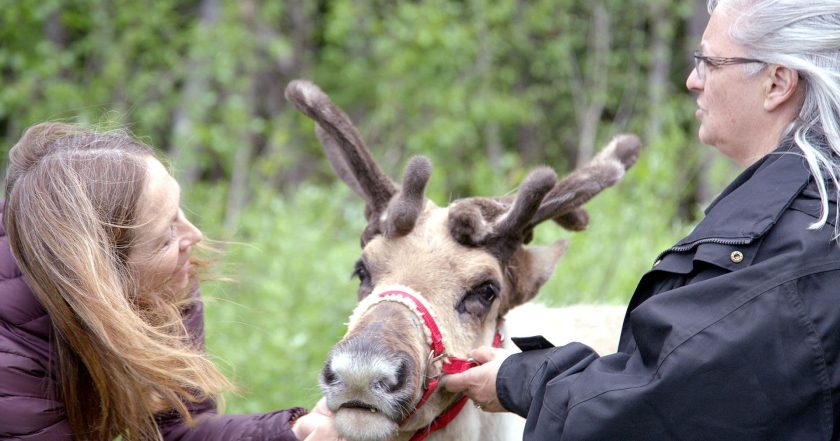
column 171, row 234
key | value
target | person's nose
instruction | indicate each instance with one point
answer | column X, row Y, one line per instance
column 693, row 82
column 192, row 235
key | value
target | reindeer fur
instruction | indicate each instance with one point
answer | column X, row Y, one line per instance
column 469, row 263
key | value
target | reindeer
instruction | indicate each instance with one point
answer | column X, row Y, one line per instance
column 436, row 282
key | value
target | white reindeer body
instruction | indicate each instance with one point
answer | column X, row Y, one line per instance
column 465, row 263
column 597, row 326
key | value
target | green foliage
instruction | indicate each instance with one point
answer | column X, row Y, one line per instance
column 629, row 227
column 272, row 326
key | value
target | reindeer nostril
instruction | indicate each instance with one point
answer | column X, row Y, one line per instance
column 402, row 376
column 396, row 381
column 358, row 373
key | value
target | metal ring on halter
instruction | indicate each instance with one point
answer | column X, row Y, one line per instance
column 429, row 363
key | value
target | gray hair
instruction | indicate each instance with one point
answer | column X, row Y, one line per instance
column 805, row 36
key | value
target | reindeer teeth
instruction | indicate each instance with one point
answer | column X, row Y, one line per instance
column 359, row 406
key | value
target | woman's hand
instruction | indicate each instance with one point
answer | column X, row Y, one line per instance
column 317, row 425
column 479, row 383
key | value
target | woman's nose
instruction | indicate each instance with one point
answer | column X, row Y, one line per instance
column 192, row 235
column 693, row 82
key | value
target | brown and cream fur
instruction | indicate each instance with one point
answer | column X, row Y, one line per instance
column 467, row 262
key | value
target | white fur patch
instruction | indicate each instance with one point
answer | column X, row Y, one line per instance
column 356, row 372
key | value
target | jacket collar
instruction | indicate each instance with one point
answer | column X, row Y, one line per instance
column 755, row 200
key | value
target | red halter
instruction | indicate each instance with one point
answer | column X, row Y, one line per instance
column 450, row 365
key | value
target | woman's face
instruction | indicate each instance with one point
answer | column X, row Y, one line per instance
column 729, row 102
column 160, row 255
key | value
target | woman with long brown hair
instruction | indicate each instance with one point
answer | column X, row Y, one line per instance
column 101, row 323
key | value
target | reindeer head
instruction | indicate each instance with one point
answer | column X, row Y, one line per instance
column 466, row 264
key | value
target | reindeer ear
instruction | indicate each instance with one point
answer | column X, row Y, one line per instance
column 534, row 266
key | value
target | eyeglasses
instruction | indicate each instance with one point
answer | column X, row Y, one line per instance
column 701, row 61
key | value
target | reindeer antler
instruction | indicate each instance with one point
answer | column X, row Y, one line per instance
column 603, row 171
column 388, row 208
column 405, row 207
column 376, row 187
column 502, row 226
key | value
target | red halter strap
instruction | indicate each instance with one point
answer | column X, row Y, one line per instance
column 450, row 365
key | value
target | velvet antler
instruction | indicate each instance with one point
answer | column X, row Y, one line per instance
column 405, row 207
column 502, row 225
column 389, row 209
column 582, row 184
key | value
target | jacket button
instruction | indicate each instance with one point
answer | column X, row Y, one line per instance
column 736, row 257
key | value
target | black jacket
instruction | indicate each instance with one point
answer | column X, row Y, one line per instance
column 733, row 335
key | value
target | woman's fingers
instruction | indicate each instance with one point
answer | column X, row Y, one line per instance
column 479, row 383
column 321, row 407
column 485, row 354
column 317, row 425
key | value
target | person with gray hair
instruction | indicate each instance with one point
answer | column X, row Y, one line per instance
column 733, row 333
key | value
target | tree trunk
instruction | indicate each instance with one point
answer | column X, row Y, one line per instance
column 483, row 74
column 300, row 23
column 589, row 110
column 659, row 69
column 238, row 189
column 184, row 149
column 54, row 29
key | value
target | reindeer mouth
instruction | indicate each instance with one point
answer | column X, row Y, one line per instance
column 359, row 421
column 359, row 405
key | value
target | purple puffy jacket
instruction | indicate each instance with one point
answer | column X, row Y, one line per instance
column 28, row 409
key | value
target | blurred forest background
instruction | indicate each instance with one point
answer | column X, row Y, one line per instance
column 486, row 88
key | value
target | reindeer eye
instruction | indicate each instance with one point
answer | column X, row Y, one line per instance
column 360, row 271
column 487, row 292
column 478, row 299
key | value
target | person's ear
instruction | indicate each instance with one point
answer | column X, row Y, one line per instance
column 780, row 87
